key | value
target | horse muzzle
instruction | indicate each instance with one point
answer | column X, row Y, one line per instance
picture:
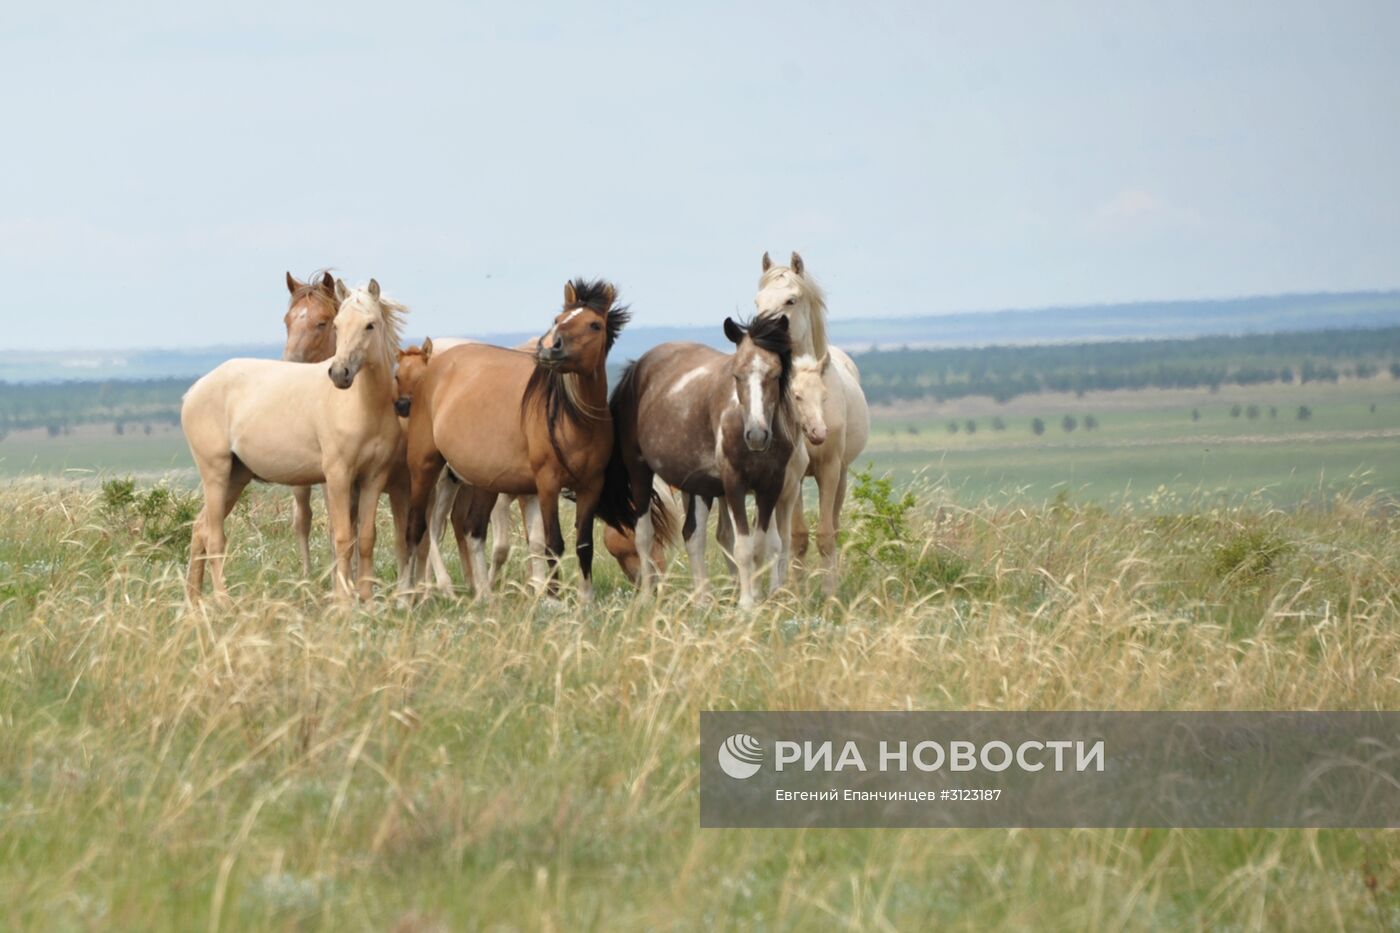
column 816, row 437
column 341, row 376
column 757, row 439
column 401, row 406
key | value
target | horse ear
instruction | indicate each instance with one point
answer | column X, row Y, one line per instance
column 796, row 263
column 328, row 282
column 374, row 289
column 292, row 283
column 570, row 296
column 341, row 292
column 826, row 361
column 767, row 263
column 733, row 331
column 610, row 293
column 427, row 348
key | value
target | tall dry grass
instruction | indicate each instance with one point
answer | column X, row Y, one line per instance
column 283, row 763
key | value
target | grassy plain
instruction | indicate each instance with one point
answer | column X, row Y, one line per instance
column 279, row 763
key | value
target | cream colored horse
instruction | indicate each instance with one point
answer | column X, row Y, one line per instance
column 789, row 291
column 288, row 423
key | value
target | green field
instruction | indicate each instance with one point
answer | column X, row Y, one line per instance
column 1146, row 442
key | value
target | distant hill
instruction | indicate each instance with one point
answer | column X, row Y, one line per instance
column 1141, row 320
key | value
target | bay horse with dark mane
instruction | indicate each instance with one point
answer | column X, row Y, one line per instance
column 526, row 424
column 715, row 426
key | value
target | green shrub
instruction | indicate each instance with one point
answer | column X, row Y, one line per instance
column 1249, row 555
column 160, row 518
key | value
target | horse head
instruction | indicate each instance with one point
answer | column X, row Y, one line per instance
column 366, row 332
column 309, row 319
column 584, row 331
column 762, row 369
column 412, row 367
column 788, row 291
column 809, row 396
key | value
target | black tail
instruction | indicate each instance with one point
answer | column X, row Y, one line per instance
column 616, row 506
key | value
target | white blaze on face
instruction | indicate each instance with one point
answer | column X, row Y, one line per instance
column 756, row 397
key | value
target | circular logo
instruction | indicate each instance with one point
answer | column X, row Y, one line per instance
column 740, row 756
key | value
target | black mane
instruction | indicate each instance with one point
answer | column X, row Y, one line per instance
column 598, row 295
column 771, row 334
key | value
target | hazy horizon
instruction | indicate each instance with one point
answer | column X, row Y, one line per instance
column 169, row 166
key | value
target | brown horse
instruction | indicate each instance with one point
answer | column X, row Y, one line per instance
column 712, row 425
column 525, row 424
column 310, row 322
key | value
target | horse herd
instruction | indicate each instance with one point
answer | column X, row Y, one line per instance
column 460, row 431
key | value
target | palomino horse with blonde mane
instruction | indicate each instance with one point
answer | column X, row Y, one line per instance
column 310, row 323
column 713, row 425
column 526, row 424
column 788, row 292
column 288, row 423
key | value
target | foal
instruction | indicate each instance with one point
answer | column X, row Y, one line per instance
column 525, row 424
column 712, row 425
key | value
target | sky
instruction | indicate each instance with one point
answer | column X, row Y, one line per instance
column 161, row 170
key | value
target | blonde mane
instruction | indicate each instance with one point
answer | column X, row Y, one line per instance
column 816, row 298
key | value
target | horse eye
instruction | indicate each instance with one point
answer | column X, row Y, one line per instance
column 321, row 326
column 596, row 326
column 369, row 327
column 792, row 301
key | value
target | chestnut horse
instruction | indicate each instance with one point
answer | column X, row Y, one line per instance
column 524, row 424
column 310, row 327
column 713, row 425
column 412, row 367
column 288, row 423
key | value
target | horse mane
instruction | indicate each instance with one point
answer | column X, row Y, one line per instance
column 815, row 297
column 558, row 393
column 311, row 288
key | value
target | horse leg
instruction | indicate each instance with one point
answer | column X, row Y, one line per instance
column 461, row 513
column 501, row 532
column 371, row 488
column 398, row 489
column 444, row 502
column 831, row 492
column 470, row 522
column 425, row 465
column 734, row 496
column 548, row 489
column 724, row 537
column 801, row 536
column 535, row 540
column 194, row 578
column 645, row 532
column 586, row 506
column 697, row 520
column 340, row 495
column 218, row 503
column 301, row 524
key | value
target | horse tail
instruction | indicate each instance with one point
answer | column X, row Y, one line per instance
column 616, row 506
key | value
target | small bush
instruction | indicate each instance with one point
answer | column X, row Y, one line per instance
column 1304, row 413
column 1248, row 555
column 1069, row 423
column 1037, row 427
column 159, row 518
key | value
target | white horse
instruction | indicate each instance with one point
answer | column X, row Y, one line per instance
column 301, row 424
column 789, row 291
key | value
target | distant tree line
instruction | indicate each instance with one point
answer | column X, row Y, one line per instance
column 61, row 406
column 1005, row 372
